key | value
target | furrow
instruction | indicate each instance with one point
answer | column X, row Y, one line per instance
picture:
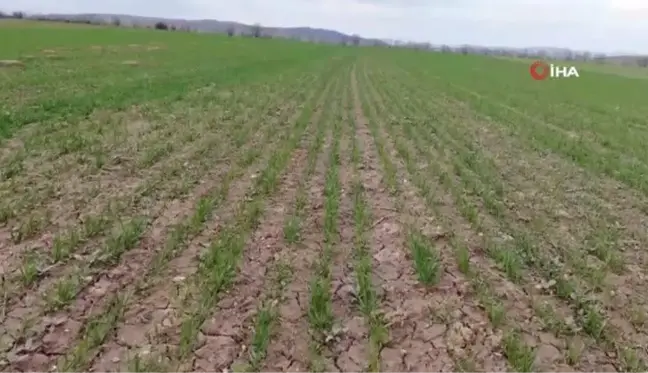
column 48, row 260
column 289, row 349
column 176, row 332
column 348, row 337
column 83, row 317
column 615, row 340
column 522, row 310
column 434, row 324
column 239, row 333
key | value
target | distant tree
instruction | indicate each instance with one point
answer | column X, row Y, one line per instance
column 643, row 62
column 446, row 49
column 116, row 21
column 19, row 15
column 172, row 28
column 231, row 31
column 600, row 58
column 3, row 14
column 355, row 40
column 257, row 30
column 161, row 26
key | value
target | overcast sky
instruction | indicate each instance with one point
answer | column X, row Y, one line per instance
column 597, row 25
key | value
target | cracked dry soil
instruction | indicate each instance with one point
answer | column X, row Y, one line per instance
column 430, row 329
column 127, row 314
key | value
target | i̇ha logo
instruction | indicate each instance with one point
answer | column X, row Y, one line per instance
column 541, row 70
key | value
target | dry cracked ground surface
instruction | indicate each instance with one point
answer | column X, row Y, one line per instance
column 349, row 215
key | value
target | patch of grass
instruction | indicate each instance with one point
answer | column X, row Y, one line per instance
column 603, row 244
column 496, row 313
column 126, row 237
column 426, row 259
column 292, row 228
column 148, row 364
column 465, row 365
column 267, row 316
column 29, row 271
column 320, row 310
column 520, row 357
column 592, row 320
column 63, row 246
column 201, row 213
column 93, row 226
column 508, row 259
column 368, row 301
column 64, row 292
column 631, row 361
column 96, row 330
column 320, row 314
column 463, row 258
column 29, row 228
column 574, row 353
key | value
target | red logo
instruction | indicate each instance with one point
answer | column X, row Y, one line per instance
column 539, row 70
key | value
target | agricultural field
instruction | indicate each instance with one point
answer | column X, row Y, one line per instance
column 173, row 201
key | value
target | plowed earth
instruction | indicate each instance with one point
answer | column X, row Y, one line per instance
column 345, row 214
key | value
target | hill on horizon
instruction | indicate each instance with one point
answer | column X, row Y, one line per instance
column 211, row 25
column 306, row 33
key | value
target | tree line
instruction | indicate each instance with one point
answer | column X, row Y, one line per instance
column 257, row 31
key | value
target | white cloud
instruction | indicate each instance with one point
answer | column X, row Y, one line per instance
column 635, row 11
column 600, row 25
column 628, row 5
